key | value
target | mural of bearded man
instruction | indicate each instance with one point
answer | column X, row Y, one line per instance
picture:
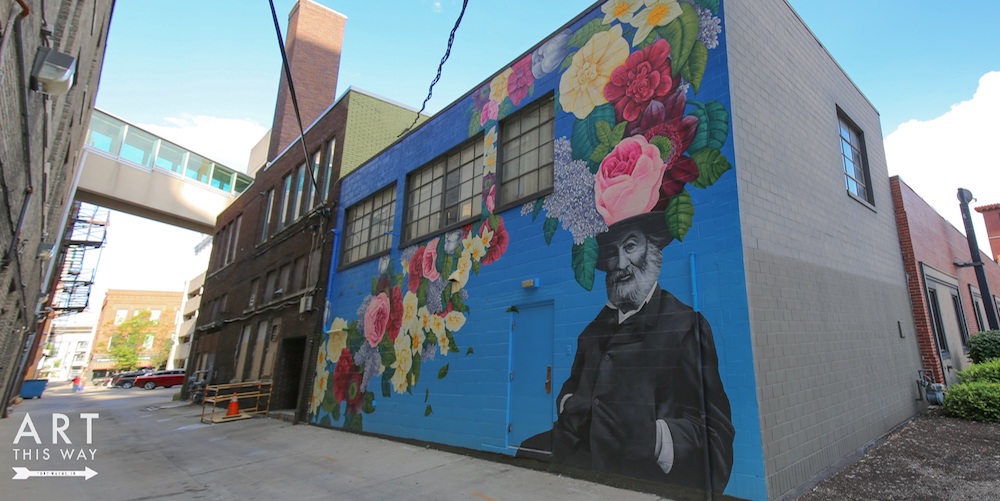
column 644, row 397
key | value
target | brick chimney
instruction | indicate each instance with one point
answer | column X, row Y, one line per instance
column 991, row 216
column 313, row 42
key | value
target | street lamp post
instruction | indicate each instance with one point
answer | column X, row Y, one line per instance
column 964, row 197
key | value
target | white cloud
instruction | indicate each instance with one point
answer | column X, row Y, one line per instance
column 955, row 150
column 437, row 6
column 225, row 140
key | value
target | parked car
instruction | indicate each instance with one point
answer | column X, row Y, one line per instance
column 165, row 379
column 125, row 379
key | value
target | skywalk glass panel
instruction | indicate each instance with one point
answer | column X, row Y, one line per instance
column 198, row 168
column 139, row 147
column 170, row 157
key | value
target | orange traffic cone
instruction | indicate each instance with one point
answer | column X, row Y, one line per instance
column 234, row 407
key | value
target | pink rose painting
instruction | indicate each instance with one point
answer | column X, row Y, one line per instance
column 491, row 109
column 498, row 245
column 377, row 319
column 429, row 261
column 628, row 180
column 416, row 270
column 643, row 78
column 521, row 80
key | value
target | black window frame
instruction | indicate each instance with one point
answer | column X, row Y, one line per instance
column 387, row 234
column 475, row 143
column 501, row 202
column 867, row 196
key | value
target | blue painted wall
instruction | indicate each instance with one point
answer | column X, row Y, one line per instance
column 461, row 396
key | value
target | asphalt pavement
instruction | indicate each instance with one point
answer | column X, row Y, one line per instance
column 143, row 445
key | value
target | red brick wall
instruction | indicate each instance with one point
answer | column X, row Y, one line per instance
column 991, row 216
column 313, row 44
column 926, row 237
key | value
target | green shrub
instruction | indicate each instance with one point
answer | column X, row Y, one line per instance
column 977, row 401
column 984, row 346
column 988, row 371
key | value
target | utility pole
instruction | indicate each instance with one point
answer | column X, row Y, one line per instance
column 964, row 197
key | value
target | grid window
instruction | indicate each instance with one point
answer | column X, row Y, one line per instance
column 527, row 152
column 268, row 208
column 369, row 226
column 446, row 192
column 852, row 149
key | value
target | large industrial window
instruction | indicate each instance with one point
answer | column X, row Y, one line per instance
column 368, row 226
column 446, row 192
column 527, row 152
column 852, row 148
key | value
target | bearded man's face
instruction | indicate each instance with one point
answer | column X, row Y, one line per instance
column 633, row 265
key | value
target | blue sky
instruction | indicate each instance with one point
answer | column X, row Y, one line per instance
column 205, row 73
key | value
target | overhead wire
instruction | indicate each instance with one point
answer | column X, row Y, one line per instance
column 447, row 53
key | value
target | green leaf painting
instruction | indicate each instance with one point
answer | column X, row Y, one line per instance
column 550, row 226
column 427, row 394
column 469, row 351
column 585, row 262
column 712, row 5
column 443, row 371
column 428, row 410
column 586, row 31
column 680, row 215
column 682, row 33
column 386, row 386
column 713, row 125
column 585, row 140
column 536, row 209
column 697, row 62
column 712, row 164
column 368, row 406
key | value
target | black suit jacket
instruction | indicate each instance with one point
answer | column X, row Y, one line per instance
column 660, row 364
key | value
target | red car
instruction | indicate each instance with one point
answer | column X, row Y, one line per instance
column 165, row 379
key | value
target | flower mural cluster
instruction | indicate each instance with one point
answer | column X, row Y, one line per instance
column 410, row 316
column 637, row 144
column 637, row 141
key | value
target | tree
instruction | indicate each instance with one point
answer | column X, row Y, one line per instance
column 139, row 341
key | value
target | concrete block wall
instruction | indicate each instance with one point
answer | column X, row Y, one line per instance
column 463, row 398
column 834, row 343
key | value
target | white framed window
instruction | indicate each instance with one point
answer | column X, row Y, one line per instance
column 120, row 316
column 526, row 152
column 368, row 226
column 857, row 179
column 331, row 148
column 446, row 192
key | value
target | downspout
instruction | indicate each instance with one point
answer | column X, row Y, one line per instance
column 6, row 31
column 701, row 378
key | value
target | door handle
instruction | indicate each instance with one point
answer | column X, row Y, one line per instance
column 548, row 380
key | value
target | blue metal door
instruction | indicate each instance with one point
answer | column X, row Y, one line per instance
column 531, row 391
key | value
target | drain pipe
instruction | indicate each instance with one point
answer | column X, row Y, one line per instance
column 7, row 29
column 964, row 197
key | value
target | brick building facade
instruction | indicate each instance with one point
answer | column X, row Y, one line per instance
column 273, row 244
column 39, row 155
column 122, row 306
column 947, row 303
column 991, row 216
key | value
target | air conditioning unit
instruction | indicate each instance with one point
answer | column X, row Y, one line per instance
column 306, row 304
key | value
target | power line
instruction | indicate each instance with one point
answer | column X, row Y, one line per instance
column 447, row 53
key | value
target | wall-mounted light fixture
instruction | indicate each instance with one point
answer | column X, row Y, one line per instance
column 530, row 284
column 53, row 72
